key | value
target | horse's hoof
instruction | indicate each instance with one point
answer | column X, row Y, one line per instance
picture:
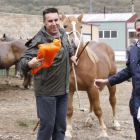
column 22, row 87
column 17, row 86
column 102, row 138
column 117, row 128
column 8, row 83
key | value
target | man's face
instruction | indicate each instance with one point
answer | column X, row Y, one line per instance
column 138, row 30
column 52, row 23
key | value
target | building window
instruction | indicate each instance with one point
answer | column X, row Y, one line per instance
column 106, row 34
column 113, row 34
column 100, row 34
column 87, row 37
column 132, row 35
column 109, row 34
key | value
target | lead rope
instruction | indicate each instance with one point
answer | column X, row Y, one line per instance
column 75, row 79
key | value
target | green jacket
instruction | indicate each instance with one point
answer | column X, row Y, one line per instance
column 53, row 80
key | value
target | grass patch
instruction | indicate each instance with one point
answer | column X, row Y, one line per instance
column 11, row 71
column 26, row 123
column 22, row 123
column 126, row 137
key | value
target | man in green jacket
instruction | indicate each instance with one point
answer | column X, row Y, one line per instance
column 51, row 84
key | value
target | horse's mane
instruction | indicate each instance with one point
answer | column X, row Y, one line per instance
column 93, row 57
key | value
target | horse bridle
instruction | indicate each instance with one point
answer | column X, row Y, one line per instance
column 68, row 33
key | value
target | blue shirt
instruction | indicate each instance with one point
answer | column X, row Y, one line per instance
column 138, row 44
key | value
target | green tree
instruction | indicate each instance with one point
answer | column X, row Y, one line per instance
column 30, row 7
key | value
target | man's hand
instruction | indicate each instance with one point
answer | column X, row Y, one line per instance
column 73, row 59
column 98, row 83
column 34, row 63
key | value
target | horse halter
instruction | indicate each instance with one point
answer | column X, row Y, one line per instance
column 68, row 33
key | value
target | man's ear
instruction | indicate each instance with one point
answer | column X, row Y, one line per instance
column 62, row 17
column 80, row 17
column 43, row 22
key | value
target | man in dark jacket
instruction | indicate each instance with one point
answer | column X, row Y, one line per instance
column 132, row 70
column 51, row 84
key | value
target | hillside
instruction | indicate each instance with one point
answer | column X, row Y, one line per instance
column 35, row 7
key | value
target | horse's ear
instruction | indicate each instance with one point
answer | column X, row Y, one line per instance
column 80, row 17
column 4, row 35
column 62, row 17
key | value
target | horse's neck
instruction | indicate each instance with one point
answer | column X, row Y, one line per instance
column 19, row 46
column 9, row 39
column 82, row 44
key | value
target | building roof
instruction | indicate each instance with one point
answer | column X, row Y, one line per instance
column 88, row 23
column 106, row 17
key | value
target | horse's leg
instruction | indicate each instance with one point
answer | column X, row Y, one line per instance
column 20, row 73
column 25, row 81
column 69, row 115
column 16, row 70
column 94, row 95
column 7, row 76
column 89, row 120
column 30, row 82
column 112, row 99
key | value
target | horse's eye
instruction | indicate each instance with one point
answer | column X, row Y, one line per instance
column 65, row 26
column 81, row 27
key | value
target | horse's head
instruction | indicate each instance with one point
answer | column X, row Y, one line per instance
column 4, row 38
column 72, row 26
column 7, row 38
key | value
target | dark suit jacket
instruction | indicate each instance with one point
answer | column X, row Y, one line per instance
column 132, row 70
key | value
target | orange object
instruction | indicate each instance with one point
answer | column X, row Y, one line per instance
column 48, row 52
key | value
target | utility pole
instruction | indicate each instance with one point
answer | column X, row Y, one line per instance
column 132, row 6
column 90, row 6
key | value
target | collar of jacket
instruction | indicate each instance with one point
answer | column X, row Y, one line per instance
column 138, row 44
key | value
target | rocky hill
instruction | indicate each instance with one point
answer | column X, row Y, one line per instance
column 35, row 7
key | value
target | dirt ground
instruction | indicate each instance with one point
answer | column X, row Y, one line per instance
column 18, row 113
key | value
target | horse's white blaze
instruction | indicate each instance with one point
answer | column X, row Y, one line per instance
column 75, row 35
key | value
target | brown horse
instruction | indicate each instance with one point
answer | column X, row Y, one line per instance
column 10, row 53
column 9, row 38
column 97, row 61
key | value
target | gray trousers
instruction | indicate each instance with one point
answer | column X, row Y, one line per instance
column 52, row 112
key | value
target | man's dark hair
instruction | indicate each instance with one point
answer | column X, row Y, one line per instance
column 137, row 20
column 49, row 10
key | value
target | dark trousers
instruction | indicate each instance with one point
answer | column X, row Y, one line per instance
column 137, row 128
column 52, row 112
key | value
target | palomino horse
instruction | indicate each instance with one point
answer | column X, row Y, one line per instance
column 97, row 61
column 10, row 53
